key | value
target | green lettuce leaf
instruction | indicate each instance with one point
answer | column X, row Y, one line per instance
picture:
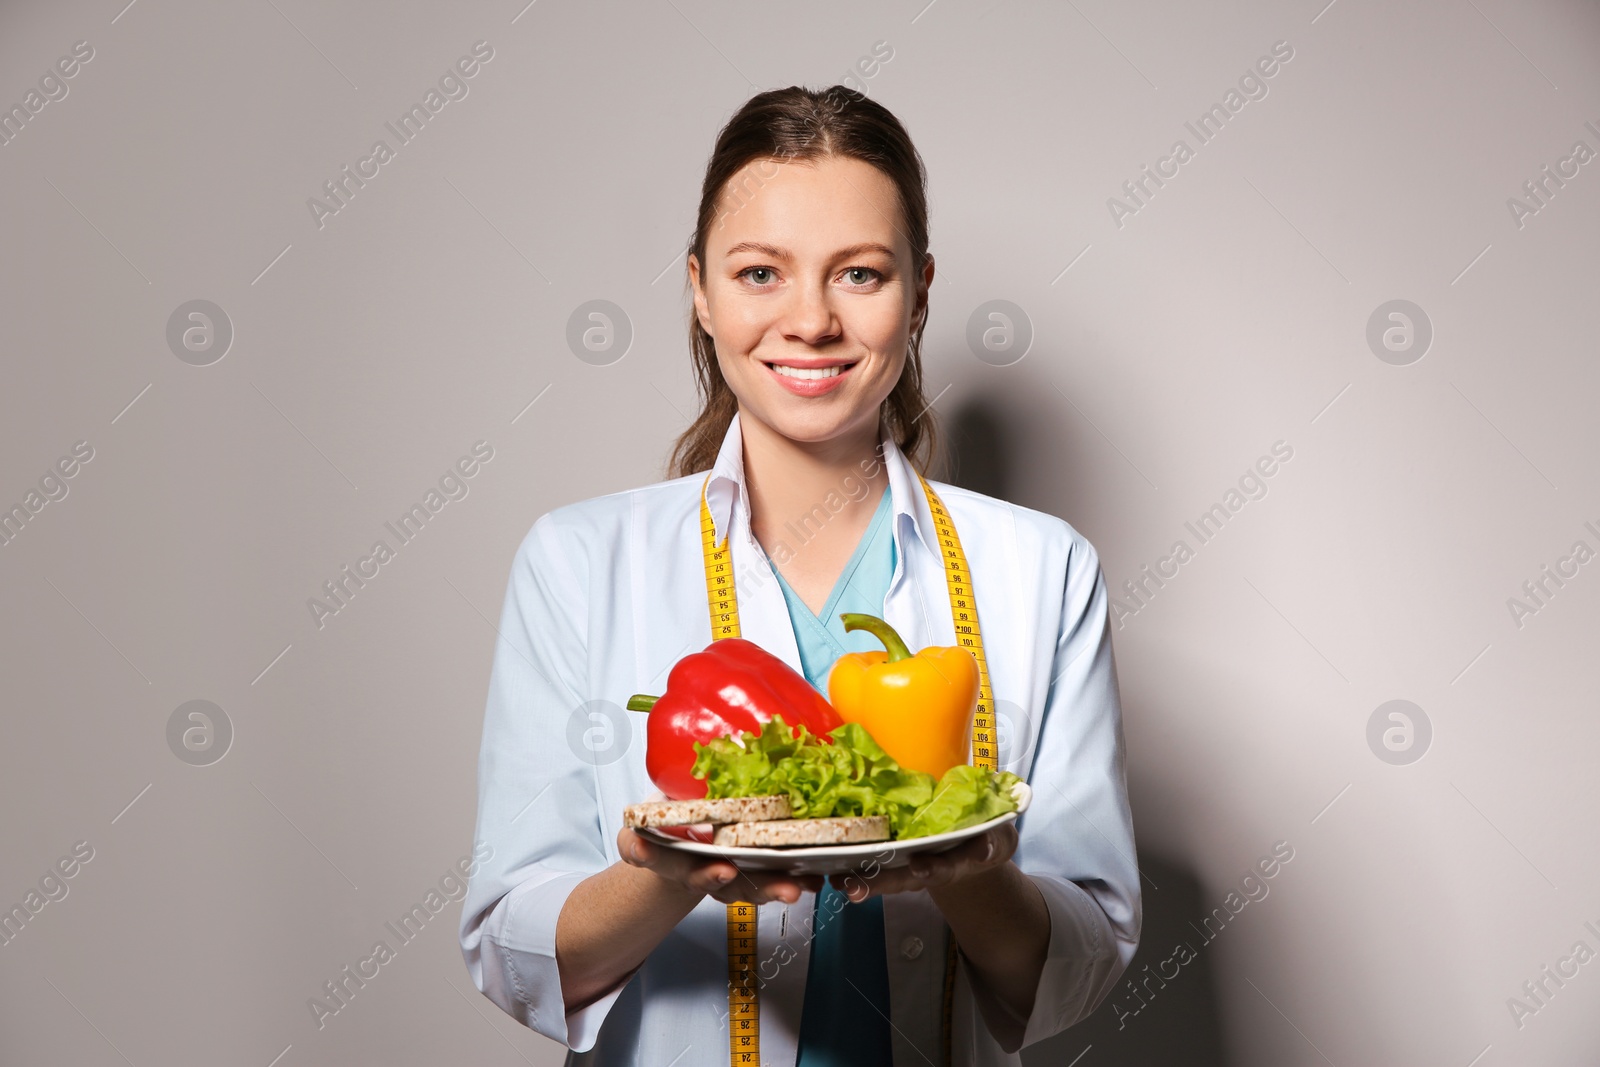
column 851, row 776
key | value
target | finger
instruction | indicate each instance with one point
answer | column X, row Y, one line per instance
column 721, row 879
column 976, row 854
column 740, row 890
column 781, row 886
column 942, row 868
column 982, row 853
column 884, row 884
column 724, row 883
column 750, row 886
column 791, row 886
column 931, row 870
column 933, row 864
column 634, row 849
column 859, row 887
column 1006, row 839
column 694, row 874
column 640, row 851
column 811, row 883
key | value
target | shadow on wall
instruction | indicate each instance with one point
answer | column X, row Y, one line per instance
column 1168, row 1014
column 1158, row 1021
column 977, row 452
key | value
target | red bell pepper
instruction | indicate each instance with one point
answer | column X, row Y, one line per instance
column 732, row 687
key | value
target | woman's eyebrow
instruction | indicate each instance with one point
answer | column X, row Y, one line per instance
column 774, row 252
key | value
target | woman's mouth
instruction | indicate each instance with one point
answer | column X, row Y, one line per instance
column 809, row 381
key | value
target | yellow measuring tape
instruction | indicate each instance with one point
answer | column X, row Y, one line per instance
column 744, row 1019
column 964, row 613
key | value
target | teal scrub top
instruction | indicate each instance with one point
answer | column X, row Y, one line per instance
column 845, row 1018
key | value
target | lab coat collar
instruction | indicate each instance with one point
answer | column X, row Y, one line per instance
column 726, row 489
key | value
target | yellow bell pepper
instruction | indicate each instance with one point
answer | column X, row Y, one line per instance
column 918, row 708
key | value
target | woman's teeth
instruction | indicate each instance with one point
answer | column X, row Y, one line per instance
column 814, row 372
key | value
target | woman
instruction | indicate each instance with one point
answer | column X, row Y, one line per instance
column 810, row 273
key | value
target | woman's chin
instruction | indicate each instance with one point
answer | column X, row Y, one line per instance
column 813, row 421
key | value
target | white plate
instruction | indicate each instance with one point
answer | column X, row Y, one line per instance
column 840, row 859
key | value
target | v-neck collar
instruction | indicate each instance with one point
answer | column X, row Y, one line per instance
column 850, row 568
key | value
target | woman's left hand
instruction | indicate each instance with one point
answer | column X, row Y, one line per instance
column 985, row 852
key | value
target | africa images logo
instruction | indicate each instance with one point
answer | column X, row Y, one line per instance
column 1137, row 593
column 341, row 989
column 342, row 588
column 1253, row 889
column 1205, row 129
column 453, row 85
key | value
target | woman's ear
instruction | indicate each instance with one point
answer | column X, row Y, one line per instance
column 919, row 311
column 701, row 312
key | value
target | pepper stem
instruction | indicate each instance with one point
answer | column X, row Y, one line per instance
column 879, row 629
column 642, row 702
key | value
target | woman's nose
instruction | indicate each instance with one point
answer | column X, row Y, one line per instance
column 809, row 316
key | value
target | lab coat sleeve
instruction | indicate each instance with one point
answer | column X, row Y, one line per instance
column 1076, row 839
column 536, row 796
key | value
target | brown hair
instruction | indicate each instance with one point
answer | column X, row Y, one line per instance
column 805, row 124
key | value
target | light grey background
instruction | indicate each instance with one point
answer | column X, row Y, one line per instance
column 1169, row 353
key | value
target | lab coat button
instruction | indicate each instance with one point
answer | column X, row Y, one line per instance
column 911, row 947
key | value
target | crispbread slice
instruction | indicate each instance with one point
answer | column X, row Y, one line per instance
column 689, row 812
column 790, row 833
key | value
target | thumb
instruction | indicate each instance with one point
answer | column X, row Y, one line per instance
column 636, row 850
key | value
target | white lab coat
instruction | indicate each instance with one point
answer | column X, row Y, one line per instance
column 605, row 595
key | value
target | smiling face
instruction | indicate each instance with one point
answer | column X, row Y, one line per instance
column 808, row 292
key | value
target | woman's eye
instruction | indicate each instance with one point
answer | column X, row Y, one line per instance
column 860, row 275
column 752, row 272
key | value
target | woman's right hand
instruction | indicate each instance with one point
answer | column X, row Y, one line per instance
column 719, row 879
